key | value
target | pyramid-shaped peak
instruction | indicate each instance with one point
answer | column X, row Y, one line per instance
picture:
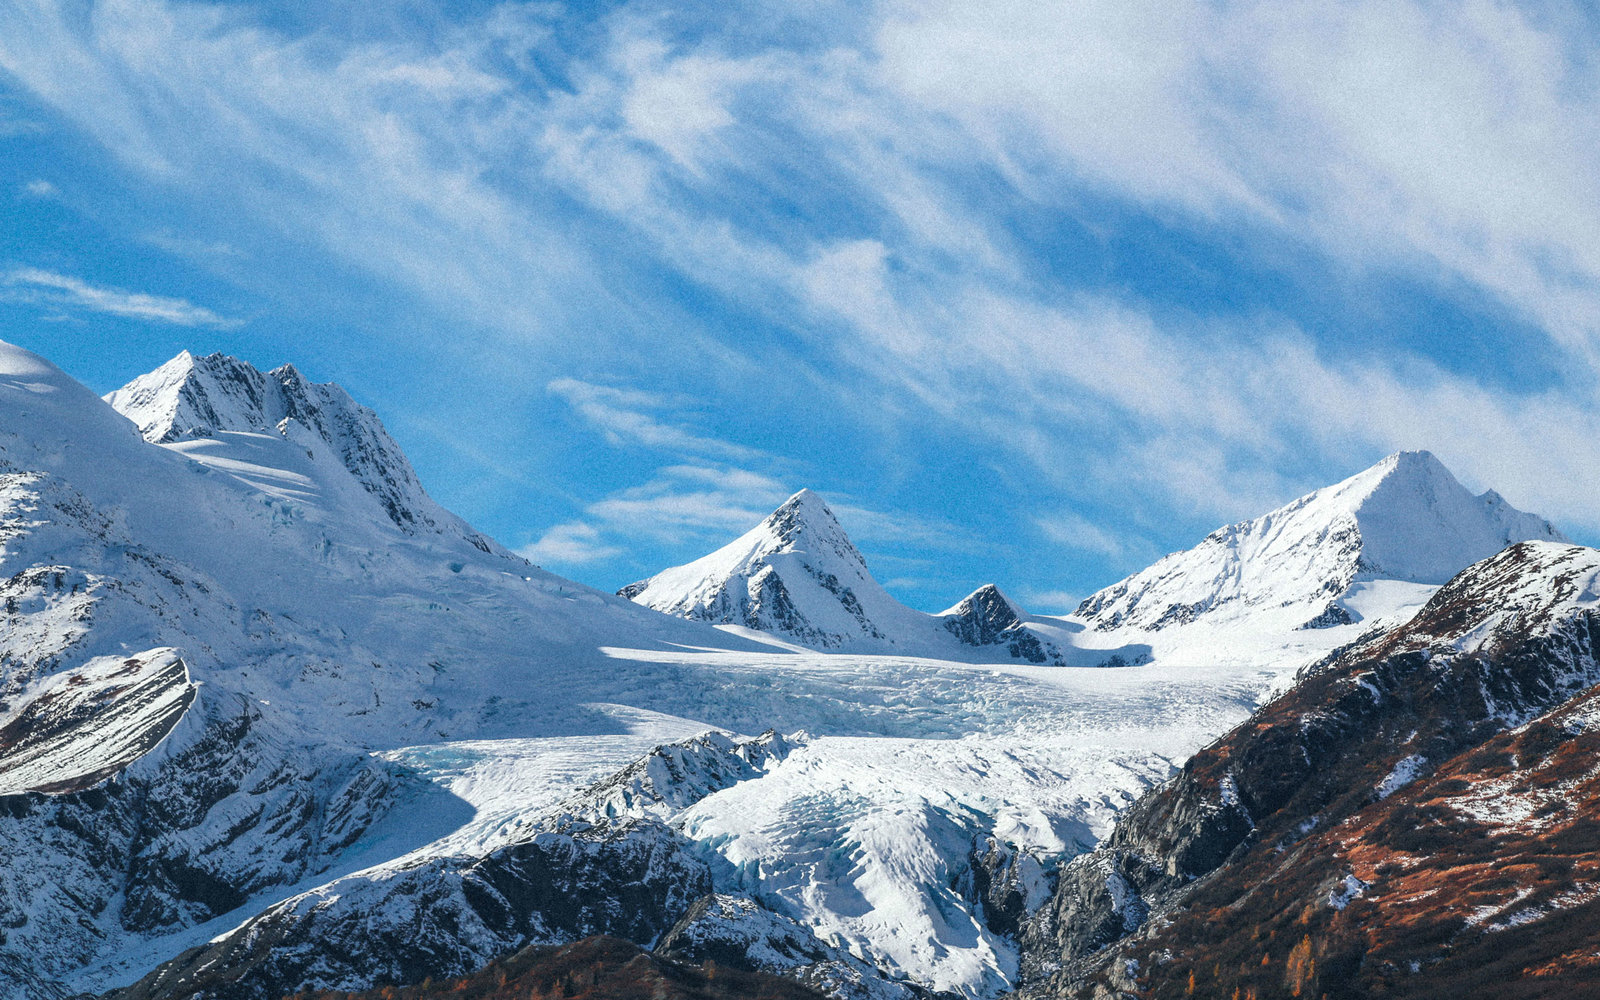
column 987, row 601
column 1417, row 522
column 806, row 503
column 1401, row 470
column 805, row 513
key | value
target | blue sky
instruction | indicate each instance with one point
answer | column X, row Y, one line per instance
column 1032, row 292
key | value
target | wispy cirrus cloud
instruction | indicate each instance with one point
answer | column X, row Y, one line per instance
column 573, row 543
column 874, row 198
column 60, row 291
column 692, row 507
column 634, row 417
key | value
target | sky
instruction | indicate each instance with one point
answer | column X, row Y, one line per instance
column 1032, row 292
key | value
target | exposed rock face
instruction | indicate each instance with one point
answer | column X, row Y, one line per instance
column 598, row 968
column 1245, row 870
column 1011, row 884
column 446, row 917
column 983, row 617
column 986, row 617
column 738, row 933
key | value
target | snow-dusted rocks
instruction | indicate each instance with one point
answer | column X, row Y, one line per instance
column 1405, row 519
column 1415, row 817
column 740, row 933
column 986, row 617
column 72, row 730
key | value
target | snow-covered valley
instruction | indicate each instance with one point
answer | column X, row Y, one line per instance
column 388, row 745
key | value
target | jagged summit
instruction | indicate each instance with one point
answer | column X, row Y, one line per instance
column 192, row 399
column 1405, row 519
column 987, row 617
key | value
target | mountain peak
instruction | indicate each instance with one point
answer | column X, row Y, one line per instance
column 191, row 398
column 807, row 513
column 1406, row 518
column 988, row 599
column 796, row 575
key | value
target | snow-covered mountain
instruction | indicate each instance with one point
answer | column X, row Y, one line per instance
column 797, row 576
column 1287, row 586
column 295, row 438
column 1334, row 557
column 247, row 690
column 1414, row 818
column 259, row 733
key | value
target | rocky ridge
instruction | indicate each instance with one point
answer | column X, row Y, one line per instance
column 1364, row 829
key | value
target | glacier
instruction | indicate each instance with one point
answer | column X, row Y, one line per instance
column 331, row 697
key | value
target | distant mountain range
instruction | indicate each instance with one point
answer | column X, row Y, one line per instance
column 1366, row 548
column 797, row 576
column 273, row 721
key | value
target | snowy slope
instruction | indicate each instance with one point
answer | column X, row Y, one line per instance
column 396, row 706
column 1367, row 549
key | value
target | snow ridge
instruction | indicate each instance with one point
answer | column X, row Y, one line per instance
column 1405, row 519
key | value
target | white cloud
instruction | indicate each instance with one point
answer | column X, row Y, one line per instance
column 30, row 284
column 1048, row 602
column 40, row 188
column 810, row 186
column 694, row 500
column 570, row 544
column 620, row 414
column 1071, row 531
column 1385, row 131
column 692, row 508
column 680, row 104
